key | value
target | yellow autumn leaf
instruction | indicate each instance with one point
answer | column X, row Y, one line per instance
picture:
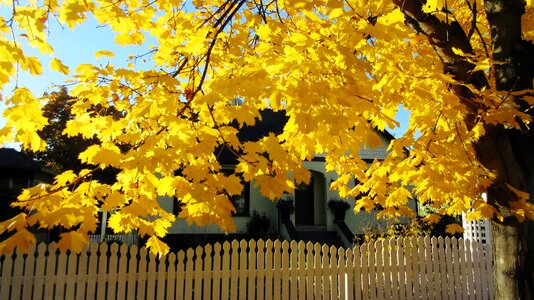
column 406, row 212
column 33, row 65
column 433, row 6
column 432, row 218
column 32, row 141
column 458, row 51
column 519, row 214
column 16, row 223
column 364, row 203
column 73, row 12
column 482, row 65
column 399, row 197
column 57, row 65
column 65, row 178
column 88, row 155
column 453, row 229
column 114, row 200
column 523, row 196
column 486, row 211
column 197, row 43
column 133, row 38
column 101, row 53
column 22, row 240
column 161, row 227
column 157, row 247
column 121, row 222
column 392, row 17
column 335, row 13
column 166, row 186
column 73, row 240
column 522, row 208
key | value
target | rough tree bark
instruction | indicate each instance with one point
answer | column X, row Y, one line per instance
column 510, row 153
column 513, row 156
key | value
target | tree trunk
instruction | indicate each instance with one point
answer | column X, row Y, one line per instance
column 508, row 152
column 512, row 269
column 513, row 244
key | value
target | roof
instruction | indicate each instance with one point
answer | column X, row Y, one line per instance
column 270, row 122
column 11, row 159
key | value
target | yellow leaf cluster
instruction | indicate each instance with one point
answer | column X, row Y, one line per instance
column 339, row 69
column 454, row 229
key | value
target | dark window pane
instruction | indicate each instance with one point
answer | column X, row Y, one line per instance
column 176, row 206
column 242, row 202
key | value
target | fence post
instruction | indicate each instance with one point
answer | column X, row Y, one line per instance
column 261, row 270
column 198, row 270
column 29, row 271
column 208, row 273
column 342, row 274
column 277, row 270
column 251, row 270
column 40, row 271
column 294, row 269
column 243, row 269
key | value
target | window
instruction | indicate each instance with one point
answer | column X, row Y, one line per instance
column 20, row 183
column 240, row 202
column 176, row 206
column 5, row 183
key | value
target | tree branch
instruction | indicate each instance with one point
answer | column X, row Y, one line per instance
column 444, row 37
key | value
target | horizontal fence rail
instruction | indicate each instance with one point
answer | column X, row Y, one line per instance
column 403, row 268
column 128, row 239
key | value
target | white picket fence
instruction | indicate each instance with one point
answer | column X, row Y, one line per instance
column 404, row 268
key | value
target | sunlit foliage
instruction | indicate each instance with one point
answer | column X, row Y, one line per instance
column 340, row 70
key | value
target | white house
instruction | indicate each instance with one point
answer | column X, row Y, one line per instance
column 312, row 220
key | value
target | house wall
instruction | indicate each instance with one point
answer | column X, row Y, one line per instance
column 357, row 222
column 257, row 203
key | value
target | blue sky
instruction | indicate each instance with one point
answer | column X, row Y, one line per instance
column 74, row 48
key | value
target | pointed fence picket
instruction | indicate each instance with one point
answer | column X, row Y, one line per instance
column 403, row 268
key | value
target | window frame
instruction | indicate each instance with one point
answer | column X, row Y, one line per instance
column 245, row 194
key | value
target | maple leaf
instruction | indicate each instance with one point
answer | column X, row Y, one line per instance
column 18, row 222
column 453, row 229
column 57, row 65
column 73, row 240
column 22, row 239
column 433, row 6
column 101, row 53
column 33, row 65
column 156, row 246
column 340, row 71
column 432, row 218
column 486, row 211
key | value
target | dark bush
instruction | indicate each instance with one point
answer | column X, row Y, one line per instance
column 259, row 226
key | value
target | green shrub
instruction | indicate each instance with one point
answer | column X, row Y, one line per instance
column 259, row 226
